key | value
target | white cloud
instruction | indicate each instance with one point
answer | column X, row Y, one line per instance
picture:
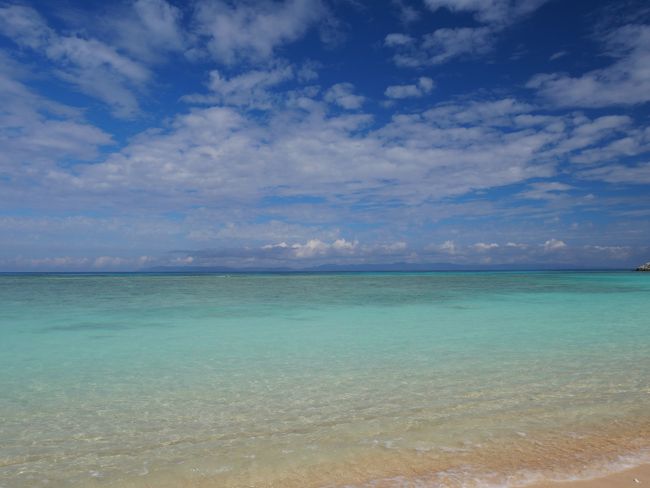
column 251, row 89
column 148, row 30
column 342, row 94
column 310, row 252
column 516, row 245
column 218, row 152
column 442, row 45
column 553, row 245
column 638, row 174
column 114, row 70
column 36, row 132
column 483, row 246
column 104, row 262
column 301, row 148
column 630, row 143
column 489, row 11
column 254, row 31
column 397, row 39
column 557, row 55
column 506, row 112
column 602, row 139
column 247, row 232
column 407, row 13
column 546, row 190
column 68, row 263
column 445, row 44
column 612, row 252
column 316, row 247
column 25, row 26
column 624, row 82
column 447, row 247
column 423, row 86
column 281, row 245
column 96, row 68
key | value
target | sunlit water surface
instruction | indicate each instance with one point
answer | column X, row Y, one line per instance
column 431, row 379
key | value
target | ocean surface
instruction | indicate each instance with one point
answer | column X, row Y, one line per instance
column 357, row 380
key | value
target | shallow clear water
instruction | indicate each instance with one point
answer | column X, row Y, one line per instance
column 450, row 379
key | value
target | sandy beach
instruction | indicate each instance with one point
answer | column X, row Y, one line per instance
column 634, row 477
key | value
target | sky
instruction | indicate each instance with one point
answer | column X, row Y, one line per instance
column 295, row 133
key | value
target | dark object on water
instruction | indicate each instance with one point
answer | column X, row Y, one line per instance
column 644, row 267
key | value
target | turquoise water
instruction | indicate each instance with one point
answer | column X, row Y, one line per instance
column 428, row 379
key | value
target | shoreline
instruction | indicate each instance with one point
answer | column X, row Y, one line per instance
column 624, row 473
column 636, row 476
column 629, row 477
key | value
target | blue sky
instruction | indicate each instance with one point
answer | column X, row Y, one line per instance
column 301, row 132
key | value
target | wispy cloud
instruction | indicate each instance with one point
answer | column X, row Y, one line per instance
column 36, row 132
column 624, row 82
column 94, row 67
column 545, row 190
column 448, row 43
column 638, row 174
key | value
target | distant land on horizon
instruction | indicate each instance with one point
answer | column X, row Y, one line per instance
column 377, row 267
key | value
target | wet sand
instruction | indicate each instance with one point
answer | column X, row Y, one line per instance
column 629, row 478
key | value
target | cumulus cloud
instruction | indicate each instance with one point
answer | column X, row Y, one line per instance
column 264, row 166
column 406, row 166
column 516, row 245
column 484, row 246
column 552, row 253
column 316, row 247
column 624, row 82
column 553, row 245
column 302, row 148
column 397, row 39
column 342, row 94
column 148, row 29
column 299, row 253
column 254, row 31
column 251, row 89
column 222, row 153
column 448, row 247
column 115, row 66
column 424, row 85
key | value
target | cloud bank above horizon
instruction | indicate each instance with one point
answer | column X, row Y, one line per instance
column 292, row 133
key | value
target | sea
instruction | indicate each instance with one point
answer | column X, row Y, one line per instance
column 440, row 379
